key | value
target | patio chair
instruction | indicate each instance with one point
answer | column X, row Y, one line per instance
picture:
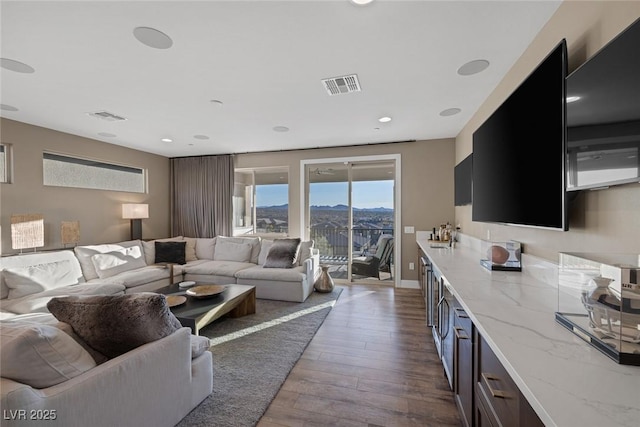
column 372, row 265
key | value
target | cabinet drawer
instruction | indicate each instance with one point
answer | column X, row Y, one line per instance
column 496, row 387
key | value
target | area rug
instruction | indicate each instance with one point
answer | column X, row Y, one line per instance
column 253, row 355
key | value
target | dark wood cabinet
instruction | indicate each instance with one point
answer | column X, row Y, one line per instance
column 498, row 400
column 447, row 319
column 463, row 364
column 484, row 392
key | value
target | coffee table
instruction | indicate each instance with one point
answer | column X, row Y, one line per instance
column 236, row 300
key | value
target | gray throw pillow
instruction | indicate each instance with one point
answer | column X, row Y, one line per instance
column 116, row 324
column 283, row 253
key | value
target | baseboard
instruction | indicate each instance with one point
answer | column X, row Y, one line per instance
column 409, row 284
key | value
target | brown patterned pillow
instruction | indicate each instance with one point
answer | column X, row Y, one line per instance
column 116, row 324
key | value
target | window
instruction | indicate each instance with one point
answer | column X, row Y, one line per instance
column 5, row 163
column 261, row 201
column 65, row 171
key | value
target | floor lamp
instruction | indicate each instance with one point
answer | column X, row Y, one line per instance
column 135, row 212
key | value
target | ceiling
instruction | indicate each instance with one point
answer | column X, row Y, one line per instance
column 264, row 60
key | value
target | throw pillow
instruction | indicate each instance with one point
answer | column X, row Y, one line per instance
column 114, row 325
column 190, row 249
column 67, row 329
column 253, row 241
column 115, row 262
column 265, row 245
column 230, row 251
column 40, row 355
column 205, row 247
column 171, row 252
column 150, row 248
column 306, row 251
column 84, row 254
column 23, row 281
column 283, row 253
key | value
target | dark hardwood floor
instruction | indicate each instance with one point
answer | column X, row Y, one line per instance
column 371, row 363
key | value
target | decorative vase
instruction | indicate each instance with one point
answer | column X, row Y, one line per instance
column 324, row 282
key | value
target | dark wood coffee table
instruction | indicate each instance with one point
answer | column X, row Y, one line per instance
column 236, row 301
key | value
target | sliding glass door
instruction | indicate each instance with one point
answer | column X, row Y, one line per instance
column 350, row 205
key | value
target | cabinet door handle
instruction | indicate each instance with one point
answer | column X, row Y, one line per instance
column 461, row 313
column 495, row 393
column 457, row 330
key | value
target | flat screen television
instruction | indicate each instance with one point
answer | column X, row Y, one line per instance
column 519, row 152
column 462, row 178
column 603, row 115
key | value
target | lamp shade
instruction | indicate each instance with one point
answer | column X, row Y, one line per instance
column 135, row 210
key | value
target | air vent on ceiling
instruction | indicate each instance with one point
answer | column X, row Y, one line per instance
column 105, row 115
column 342, row 84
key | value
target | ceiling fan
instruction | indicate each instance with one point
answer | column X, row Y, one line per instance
column 319, row 171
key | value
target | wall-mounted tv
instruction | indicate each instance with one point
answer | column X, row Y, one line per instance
column 603, row 115
column 519, row 152
column 462, row 178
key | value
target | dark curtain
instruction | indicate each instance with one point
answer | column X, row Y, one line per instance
column 201, row 196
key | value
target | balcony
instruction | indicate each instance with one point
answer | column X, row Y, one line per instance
column 333, row 245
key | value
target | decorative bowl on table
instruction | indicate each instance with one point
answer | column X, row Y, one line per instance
column 175, row 300
column 205, row 291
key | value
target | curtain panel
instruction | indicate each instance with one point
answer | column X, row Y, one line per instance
column 202, row 196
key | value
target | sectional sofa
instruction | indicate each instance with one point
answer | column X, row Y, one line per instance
column 115, row 392
column 29, row 281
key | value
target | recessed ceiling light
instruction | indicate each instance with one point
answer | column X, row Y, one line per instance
column 361, row 2
column 450, row 112
column 376, row 129
column 572, row 98
column 152, row 38
column 216, row 102
column 385, row 119
column 473, row 67
column 17, row 66
column 200, row 136
column 107, row 134
column 281, row 129
column 7, row 107
column 166, row 140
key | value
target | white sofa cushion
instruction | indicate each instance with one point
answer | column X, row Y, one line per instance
column 34, row 258
column 217, row 268
column 115, row 262
column 265, row 245
column 84, row 254
column 306, row 251
column 295, row 274
column 23, row 281
column 37, row 303
column 40, row 355
column 253, row 241
column 199, row 345
column 141, row 276
column 205, row 247
column 231, row 251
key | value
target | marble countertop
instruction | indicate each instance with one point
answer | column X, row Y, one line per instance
column 566, row 381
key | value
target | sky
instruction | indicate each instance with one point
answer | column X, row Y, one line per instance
column 366, row 194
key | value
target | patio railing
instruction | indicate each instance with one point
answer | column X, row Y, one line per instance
column 333, row 243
